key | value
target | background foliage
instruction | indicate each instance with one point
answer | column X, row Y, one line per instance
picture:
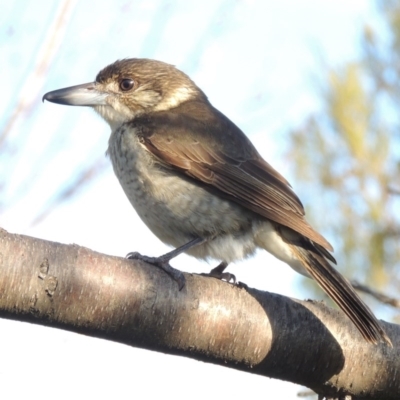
column 346, row 157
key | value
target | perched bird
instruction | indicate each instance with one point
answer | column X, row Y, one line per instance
column 198, row 182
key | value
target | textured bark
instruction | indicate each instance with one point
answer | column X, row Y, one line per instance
column 305, row 342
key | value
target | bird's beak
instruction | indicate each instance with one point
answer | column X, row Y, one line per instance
column 80, row 95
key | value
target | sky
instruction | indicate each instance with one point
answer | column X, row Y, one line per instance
column 257, row 61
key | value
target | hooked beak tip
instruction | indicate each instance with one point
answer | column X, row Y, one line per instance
column 80, row 95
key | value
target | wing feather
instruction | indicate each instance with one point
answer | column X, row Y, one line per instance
column 198, row 148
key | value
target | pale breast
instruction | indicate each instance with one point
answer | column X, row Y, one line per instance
column 173, row 206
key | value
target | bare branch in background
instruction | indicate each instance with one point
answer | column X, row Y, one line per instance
column 32, row 87
column 378, row 296
column 393, row 190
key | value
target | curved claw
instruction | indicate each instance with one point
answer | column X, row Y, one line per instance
column 223, row 276
column 133, row 255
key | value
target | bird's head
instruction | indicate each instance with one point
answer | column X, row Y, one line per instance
column 128, row 88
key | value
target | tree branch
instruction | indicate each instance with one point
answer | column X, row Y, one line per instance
column 305, row 342
column 383, row 298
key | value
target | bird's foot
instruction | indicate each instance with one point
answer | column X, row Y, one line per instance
column 224, row 276
column 162, row 263
column 218, row 272
column 242, row 285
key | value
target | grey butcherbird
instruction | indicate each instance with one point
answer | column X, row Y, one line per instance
column 198, row 182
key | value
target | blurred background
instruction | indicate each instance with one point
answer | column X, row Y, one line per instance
column 316, row 87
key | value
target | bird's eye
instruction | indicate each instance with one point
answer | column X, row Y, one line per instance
column 126, row 84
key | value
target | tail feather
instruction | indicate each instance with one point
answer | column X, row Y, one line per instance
column 341, row 291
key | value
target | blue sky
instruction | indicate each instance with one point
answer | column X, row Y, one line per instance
column 256, row 60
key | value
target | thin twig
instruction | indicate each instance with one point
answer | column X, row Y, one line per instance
column 393, row 190
column 34, row 81
column 383, row 298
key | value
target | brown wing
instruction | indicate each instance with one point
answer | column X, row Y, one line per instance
column 211, row 149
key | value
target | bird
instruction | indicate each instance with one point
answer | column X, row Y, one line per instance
column 200, row 185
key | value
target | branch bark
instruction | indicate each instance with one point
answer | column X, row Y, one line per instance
column 305, row 342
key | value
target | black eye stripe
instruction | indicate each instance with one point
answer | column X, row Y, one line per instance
column 126, row 84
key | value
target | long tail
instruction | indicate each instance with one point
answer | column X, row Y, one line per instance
column 341, row 291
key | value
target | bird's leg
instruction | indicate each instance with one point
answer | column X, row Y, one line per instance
column 218, row 272
column 163, row 261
